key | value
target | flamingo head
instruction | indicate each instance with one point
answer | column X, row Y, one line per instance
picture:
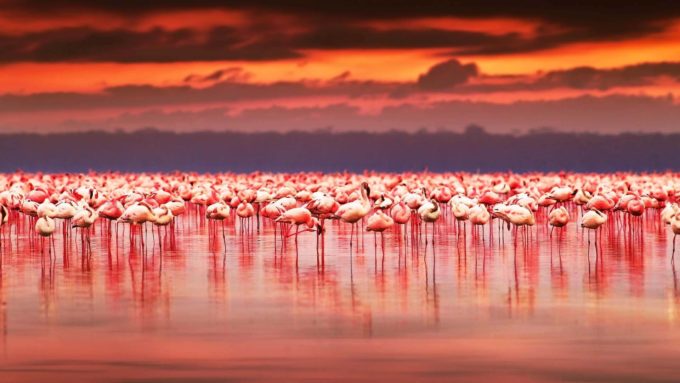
column 364, row 186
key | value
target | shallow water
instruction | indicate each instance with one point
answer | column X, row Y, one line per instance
column 473, row 307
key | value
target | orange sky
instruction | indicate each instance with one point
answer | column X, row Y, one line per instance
column 378, row 65
column 85, row 48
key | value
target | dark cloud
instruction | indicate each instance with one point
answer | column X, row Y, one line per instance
column 568, row 13
column 342, row 77
column 452, row 77
column 229, row 85
column 233, row 74
column 611, row 17
column 354, row 37
column 328, row 25
column 446, row 75
column 140, row 96
column 85, row 44
column 592, row 78
column 582, row 78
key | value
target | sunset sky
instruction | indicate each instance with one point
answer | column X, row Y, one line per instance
column 510, row 66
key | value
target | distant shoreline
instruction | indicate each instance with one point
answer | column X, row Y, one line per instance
column 472, row 150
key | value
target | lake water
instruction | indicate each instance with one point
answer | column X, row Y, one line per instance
column 472, row 308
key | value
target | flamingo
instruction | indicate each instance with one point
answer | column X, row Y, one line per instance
column 46, row 208
column 669, row 212
column 383, row 202
column 219, row 211
column 675, row 228
column 322, row 206
column 401, row 214
column 479, row 215
column 561, row 193
column 354, row 211
column 138, row 213
column 378, row 222
column 110, row 210
column 429, row 212
column 140, row 198
column 176, row 206
column 461, row 212
column 558, row 217
column 37, row 195
column 592, row 220
column 162, row 217
column 4, row 216
column 245, row 210
column 299, row 216
column 582, row 197
column 518, row 216
column 84, row 219
column 44, row 227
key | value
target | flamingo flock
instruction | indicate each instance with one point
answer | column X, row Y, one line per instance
column 410, row 206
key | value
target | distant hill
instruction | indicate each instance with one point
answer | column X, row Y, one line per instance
column 474, row 150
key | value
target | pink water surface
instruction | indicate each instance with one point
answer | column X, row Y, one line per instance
column 472, row 308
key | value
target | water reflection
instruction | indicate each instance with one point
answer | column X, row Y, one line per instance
column 474, row 305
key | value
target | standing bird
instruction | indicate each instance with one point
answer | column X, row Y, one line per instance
column 45, row 226
column 429, row 212
column 401, row 214
column 558, row 217
column 378, row 223
column 675, row 227
column 245, row 210
column 110, row 210
column 322, row 207
column 561, row 193
column 84, row 219
column 592, row 220
column 176, row 206
column 299, row 216
column 479, row 215
column 461, row 212
column 138, row 213
column 668, row 213
column 4, row 218
column 353, row 212
column 518, row 216
column 383, row 202
column 219, row 211
column 162, row 217
column 46, row 208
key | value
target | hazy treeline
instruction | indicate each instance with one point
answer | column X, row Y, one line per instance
column 474, row 150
